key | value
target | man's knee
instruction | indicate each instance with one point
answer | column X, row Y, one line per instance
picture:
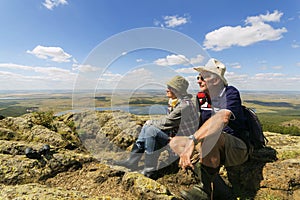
column 216, row 155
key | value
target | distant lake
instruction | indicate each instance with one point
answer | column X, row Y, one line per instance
column 13, row 98
column 137, row 110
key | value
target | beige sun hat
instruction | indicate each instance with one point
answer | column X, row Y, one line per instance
column 214, row 66
column 179, row 83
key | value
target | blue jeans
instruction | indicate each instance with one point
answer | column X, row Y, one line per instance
column 153, row 138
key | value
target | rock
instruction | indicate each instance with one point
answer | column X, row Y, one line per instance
column 145, row 188
column 83, row 144
column 39, row 191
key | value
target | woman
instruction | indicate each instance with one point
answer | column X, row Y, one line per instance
column 182, row 119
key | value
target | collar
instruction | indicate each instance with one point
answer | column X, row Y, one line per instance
column 173, row 102
column 222, row 92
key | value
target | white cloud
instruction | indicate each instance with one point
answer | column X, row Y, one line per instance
column 50, row 4
column 85, row 68
column 295, row 44
column 133, row 79
column 186, row 71
column 256, row 31
column 273, row 17
column 50, row 72
column 108, row 80
column 199, row 59
column 173, row 59
column 277, row 67
column 15, row 66
column 139, row 60
column 268, row 76
column 16, row 77
column 263, row 81
column 236, row 65
column 172, row 21
column 56, row 54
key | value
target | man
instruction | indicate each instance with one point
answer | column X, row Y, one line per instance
column 182, row 118
column 218, row 140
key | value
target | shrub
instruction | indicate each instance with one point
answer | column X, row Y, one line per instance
column 44, row 119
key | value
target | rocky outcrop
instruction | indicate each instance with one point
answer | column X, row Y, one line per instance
column 83, row 145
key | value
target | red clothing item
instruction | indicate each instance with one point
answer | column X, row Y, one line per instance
column 203, row 98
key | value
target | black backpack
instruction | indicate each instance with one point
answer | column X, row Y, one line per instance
column 254, row 136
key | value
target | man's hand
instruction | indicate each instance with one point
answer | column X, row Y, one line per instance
column 185, row 156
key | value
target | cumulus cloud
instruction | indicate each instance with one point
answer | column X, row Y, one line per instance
column 173, row 59
column 133, row 79
column 256, row 30
column 56, row 54
column 189, row 70
column 16, row 77
column 139, row 60
column 268, row 76
column 277, row 67
column 85, row 68
column 50, row 4
column 269, row 81
column 50, row 72
column 172, row 21
column 236, row 66
column 15, row 66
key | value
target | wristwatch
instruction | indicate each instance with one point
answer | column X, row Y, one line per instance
column 192, row 137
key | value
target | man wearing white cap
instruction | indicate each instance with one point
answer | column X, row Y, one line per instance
column 219, row 140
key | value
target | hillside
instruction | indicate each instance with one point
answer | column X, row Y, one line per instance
column 83, row 146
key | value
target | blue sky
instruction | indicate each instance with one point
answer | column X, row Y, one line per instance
column 52, row 44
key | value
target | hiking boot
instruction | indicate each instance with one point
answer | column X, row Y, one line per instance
column 32, row 154
column 196, row 193
column 44, row 150
column 221, row 189
column 205, row 177
column 150, row 165
column 134, row 158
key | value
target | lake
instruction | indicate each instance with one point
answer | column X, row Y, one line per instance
column 137, row 110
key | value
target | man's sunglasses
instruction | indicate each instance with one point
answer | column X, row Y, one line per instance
column 199, row 77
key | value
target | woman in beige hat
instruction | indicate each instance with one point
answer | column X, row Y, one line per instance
column 182, row 119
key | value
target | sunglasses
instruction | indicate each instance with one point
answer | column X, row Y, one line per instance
column 199, row 77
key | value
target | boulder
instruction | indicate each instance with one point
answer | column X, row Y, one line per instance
column 83, row 144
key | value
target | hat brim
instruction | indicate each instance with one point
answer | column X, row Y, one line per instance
column 204, row 69
column 182, row 93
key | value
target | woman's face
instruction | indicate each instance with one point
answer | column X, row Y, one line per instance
column 170, row 94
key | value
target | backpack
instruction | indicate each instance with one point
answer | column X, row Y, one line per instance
column 254, row 136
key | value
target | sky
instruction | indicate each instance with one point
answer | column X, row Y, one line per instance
column 108, row 44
